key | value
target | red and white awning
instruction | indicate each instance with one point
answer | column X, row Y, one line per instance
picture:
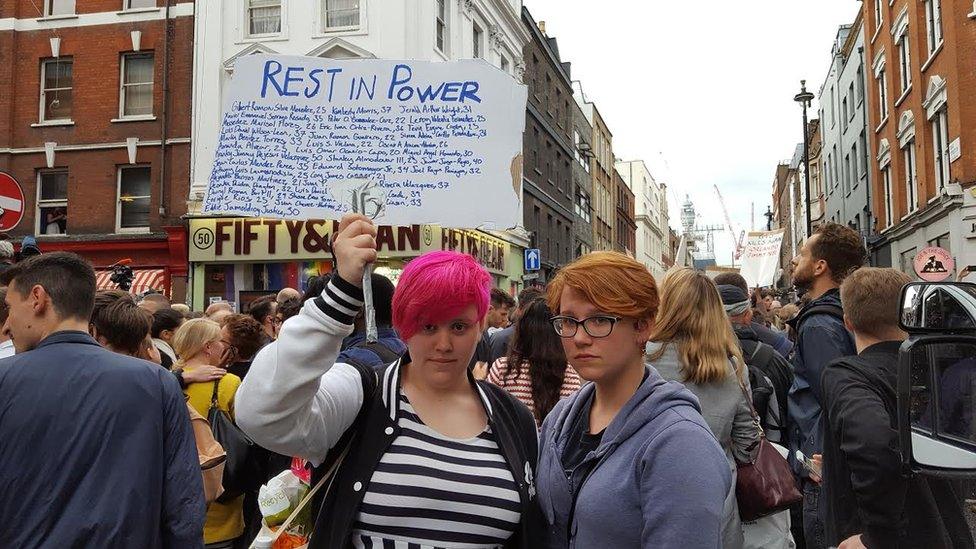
column 142, row 280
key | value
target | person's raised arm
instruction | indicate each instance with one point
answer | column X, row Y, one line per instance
column 295, row 399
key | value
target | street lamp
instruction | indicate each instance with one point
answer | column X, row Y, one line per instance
column 804, row 98
column 769, row 218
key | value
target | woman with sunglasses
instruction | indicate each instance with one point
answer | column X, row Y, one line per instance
column 424, row 454
column 628, row 461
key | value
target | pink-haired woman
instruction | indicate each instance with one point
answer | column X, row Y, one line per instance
column 426, row 454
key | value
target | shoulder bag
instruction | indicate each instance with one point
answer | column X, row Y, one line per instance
column 766, row 485
column 239, row 468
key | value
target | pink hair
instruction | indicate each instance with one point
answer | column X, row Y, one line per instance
column 436, row 286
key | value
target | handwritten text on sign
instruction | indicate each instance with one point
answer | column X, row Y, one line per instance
column 404, row 142
column 761, row 258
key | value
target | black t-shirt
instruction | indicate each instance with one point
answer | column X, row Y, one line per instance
column 581, row 442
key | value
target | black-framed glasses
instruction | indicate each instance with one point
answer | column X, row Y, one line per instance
column 594, row 326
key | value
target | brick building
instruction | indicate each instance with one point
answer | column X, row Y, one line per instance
column 784, row 215
column 625, row 235
column 548, row 151
column 582, row 182
column 922, row 126
column 94, row 126
column 601, row 170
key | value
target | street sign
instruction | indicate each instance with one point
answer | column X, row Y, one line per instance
column 530, row 276
column 934, row 264
column 533, row 259
column 11, row 202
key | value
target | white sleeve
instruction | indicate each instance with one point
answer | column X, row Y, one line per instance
column 295, row 400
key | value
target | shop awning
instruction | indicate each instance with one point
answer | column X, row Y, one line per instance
column 142, row 280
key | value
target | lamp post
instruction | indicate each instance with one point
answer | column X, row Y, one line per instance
column 769, row 218
column 804, row 98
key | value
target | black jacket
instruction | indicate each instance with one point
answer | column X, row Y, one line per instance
column 376, row 428
column 866, row 489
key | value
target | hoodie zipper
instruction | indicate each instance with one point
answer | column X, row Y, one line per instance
column 576, row 493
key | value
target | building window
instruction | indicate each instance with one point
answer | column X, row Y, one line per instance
column 58, row 7
column 882, row 95
column 138, row 4
column 933, row 21
column 905, row 61
column 136, row 95
column 911, row 177
column 847, row 174
column 505, row 65
column 888, row 199
column 942, row 241
column 52, row 202
column 863, row 160
column 940, row 138
column 134, row 187
column 833, row 108
column 860, row 84
column 340, row 14
column 477, row 36
column 264, row 17
column 878, row 14
column 844, row 112
column 441, row 26
column 56, row 84
column 906, row 262
column 850, row 93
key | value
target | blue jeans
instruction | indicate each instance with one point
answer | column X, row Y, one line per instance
column 813, row 525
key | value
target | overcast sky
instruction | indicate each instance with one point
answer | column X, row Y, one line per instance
column 702, row 91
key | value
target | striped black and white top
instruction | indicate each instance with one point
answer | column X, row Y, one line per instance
column 430, row 491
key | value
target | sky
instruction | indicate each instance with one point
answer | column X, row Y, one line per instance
column 701, row 91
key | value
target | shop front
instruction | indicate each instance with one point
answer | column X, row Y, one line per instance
column 158, row 261
column 238, row 259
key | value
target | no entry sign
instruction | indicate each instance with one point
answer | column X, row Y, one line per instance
column 11, row 202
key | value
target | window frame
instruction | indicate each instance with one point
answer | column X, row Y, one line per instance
column 39, row 203
column 477, row 38
column 118, row 199
column 123, row 60
column 49, row 6
column 911, row 176
column 247, row 20
column 42, row 112
column 940, row 145
column 442, row 16
column 889, row 200
column 127, row 6
column 883, row 94
column 324, row 27
column 904, row 63
column 878, row 14
column 933, row 25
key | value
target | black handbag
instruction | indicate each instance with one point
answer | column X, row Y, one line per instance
column 240, row 469
column 766, row 485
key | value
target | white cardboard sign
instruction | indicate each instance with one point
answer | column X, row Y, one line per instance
column 760, row 258
column 404, row 142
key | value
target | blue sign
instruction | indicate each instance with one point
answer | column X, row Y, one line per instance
column 533, row 259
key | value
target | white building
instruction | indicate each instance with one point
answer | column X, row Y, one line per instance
column 651, row 214
column 427, row 30
column 431, row 30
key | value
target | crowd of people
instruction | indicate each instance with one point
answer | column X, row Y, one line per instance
column 603, row 410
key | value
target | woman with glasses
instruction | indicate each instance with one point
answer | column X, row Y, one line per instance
column 693, row 343
column 199, row 344
column 535, row 370
column 628, row 461
column 417, row 453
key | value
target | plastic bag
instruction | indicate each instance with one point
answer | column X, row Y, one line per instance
column 277, row 500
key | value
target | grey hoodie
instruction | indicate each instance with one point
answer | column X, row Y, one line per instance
column 660, row 480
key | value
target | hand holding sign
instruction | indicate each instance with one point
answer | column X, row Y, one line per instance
column 354, row 247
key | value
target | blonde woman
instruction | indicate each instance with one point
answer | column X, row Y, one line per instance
column 198, row 342
column 693, row 342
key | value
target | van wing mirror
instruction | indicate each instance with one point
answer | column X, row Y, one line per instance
column 928, row 307
column 936, row 405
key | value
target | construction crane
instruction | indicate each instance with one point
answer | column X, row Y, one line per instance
column 737, row 252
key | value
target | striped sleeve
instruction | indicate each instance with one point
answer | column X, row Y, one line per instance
column 340, row 300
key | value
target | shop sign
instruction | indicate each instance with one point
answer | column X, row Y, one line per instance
column 214, row 240
column 255, row 240
column 487, row 250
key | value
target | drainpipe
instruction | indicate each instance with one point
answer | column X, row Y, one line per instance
column 163, row 126
column 868, row 215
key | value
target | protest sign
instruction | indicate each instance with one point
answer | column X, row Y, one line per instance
column 761, row 258
column 403, row 142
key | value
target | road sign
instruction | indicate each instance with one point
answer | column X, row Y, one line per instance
column 11, row 202
column 533, row 259
column 530, row 276
column 934, row 264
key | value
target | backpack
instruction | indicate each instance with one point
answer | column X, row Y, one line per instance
column 822, row 309
column 762, row 392
column 211, row 454
column 385, row 354
column 776, row 372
